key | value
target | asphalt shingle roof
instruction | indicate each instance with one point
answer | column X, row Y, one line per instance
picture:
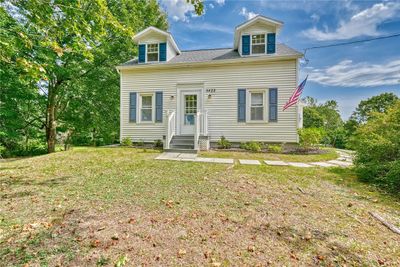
column 208, row 55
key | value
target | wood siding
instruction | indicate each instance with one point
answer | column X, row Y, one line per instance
column 222, row 106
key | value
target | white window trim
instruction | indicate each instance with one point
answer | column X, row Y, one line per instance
column 153, row 104
column 251, row 43
column 158, row 53
column 265, row 105
column 251, row 46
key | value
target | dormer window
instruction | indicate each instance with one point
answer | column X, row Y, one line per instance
column 258, row 44
column 152, row 52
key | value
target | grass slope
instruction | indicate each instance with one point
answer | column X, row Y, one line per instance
column 107, row 205
column 329, row 155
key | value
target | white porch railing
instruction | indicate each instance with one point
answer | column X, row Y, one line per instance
column 200, row 128
column 170, row 128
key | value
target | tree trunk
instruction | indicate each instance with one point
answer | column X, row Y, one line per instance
column 51, row 121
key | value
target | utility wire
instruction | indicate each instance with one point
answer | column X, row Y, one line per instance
column 348, row 43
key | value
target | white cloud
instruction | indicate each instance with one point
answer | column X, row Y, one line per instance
column 178, row 10
column 220, row 2
column 315, row 18
column 247, row 14
column 363, row 23
column 363, row 74
column 211, row 5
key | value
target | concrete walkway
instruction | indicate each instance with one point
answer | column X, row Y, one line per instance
column 344, row 160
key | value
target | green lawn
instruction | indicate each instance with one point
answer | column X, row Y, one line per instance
column 100, row 206
column 328, row 155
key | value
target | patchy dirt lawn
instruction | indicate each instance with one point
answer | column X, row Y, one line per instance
column 118, row 206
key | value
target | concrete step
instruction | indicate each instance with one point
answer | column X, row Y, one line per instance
column 175, row 150
column 182, row 146
column 182, row 141
column 183, row 137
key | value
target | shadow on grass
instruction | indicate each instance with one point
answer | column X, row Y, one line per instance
column 348, row 177
column 16, row 195
column 21, row 181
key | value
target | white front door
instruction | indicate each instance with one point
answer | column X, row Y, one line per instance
column 189, row 107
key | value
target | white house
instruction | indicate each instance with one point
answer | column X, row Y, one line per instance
column 189, row 99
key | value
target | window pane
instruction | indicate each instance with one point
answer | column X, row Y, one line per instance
column 152, row 48
column 147, row 101
column 146, row 114
column 258, row 39
column 258, row 49
column 257, row 99
column 152, row 57
column 257, row 113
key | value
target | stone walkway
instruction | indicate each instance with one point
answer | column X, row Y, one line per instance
column 344, row 160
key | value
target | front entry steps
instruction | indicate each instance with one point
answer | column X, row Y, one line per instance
column 182, row 144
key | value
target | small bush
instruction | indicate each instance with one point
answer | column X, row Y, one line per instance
column 310, row 137
column 126, row 142
column 223, row 143
column 252, row 146
column 158, row 143
column 377, row 148
column 275, row 148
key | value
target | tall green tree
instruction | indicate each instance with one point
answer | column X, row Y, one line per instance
column 75, row 45
column 325, row 116
column 380, row 103
column 20, row 101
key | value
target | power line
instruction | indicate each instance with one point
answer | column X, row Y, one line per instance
column 348, row 43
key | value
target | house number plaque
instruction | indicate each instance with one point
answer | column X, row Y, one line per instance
column 210, row 90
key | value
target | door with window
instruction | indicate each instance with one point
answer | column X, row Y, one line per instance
column 189, row 108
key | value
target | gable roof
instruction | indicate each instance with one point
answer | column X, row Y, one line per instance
column 265, row 19
column 161, row 32
column 216, row 56
column 259, row 18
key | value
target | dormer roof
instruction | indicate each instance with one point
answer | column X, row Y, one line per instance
column 257, row 20
column 142, row 36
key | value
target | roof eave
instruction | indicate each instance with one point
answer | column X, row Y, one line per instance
column 219, row 62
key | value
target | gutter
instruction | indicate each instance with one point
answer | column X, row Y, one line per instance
column 210, row 63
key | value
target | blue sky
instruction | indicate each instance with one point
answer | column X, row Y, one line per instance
column 347, row 74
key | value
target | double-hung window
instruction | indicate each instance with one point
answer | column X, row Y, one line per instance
column 146, row 108
column 258, row 44
column 257, row 106
column 152, row 52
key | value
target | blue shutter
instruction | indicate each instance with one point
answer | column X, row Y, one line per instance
column 241, row 105
column 132, row 107
column 159, row 106
column 245, row 44
column 163, row 51
column 142, row 53
column 271, row 41
column 273, row 104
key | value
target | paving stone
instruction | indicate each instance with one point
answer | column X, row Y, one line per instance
column 341, row 163
column 226, row 161
column 249, row 162
column 323, row 164
column 198, row 159
column 275, row 162
column 170, row 155
column 183, row 159
column 187, row 156
column 299, row 164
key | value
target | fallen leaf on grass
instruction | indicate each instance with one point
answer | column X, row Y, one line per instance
column 181, row 253
column 251, row 248
column 95, row 243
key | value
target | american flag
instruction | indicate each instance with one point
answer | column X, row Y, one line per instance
column 296, row 95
